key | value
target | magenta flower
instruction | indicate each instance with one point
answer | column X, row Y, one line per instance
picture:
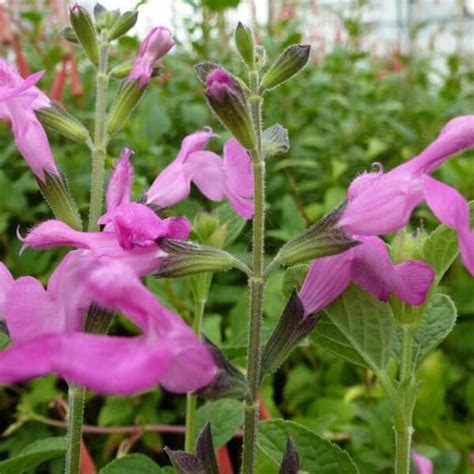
column 46, row 332
column 19, row 98
column 216, row 178
column 369, row 266
column 423, row 464
column 156, row 44
column 382, row 203
column 218, row 82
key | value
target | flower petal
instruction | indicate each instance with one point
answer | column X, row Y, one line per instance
column 6, row 282
column 120, row 183
column 327, row 278
column 422, row 463
column 238, row 169
column 450, row 207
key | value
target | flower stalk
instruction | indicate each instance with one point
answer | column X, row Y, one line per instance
column 256, row 283
column 75, row 417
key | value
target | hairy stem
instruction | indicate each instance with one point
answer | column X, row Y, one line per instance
column 256, row 285
column 74, row 427
column 404, row 415
column 99, row 149
column 203, row 284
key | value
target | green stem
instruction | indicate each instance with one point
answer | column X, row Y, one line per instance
column 256, row 286
column 404, row 415
column 74, row 428
column 99, row 149
column 203, row 283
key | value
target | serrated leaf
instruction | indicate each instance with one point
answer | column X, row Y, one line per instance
column 316, row 454
column 437, row 322
column 34, row 454
column 358, row 328
column 136, row 463
column 226, row 417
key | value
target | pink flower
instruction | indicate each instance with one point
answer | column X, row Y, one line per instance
column 216, row 178
column 382, row 203
column 156, row 44
column 369, row 266
column 46, row 331
column 19, row 98
column 423, row 464
column 218, row 82
column 131, row 233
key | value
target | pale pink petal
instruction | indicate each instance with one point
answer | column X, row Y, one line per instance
column 386, row 205
column 327, row 278
column 241, row 205
column 450, row 207
column 238, row 169
column 6, row 282
column 29, row 312
column 423, row 464
column 205, row 169
column 361, row 183
column 414, row 280
column 457, row 135
column 54, row 233
column 196, row 141
column 120, row 183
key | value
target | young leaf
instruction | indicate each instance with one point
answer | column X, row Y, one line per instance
column 34, row 454
column 226, row 417
column 136, row 463
column 316, row 454
column 358, row 328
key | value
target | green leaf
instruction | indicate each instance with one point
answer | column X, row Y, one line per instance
column 34, row 454
column 116, row 411
column 437, row 322
column 226, row 417
column 4, row 341
column 136, row 463
column 358, row 328
column 316, row 453
column 235, row 224
column 293, row 278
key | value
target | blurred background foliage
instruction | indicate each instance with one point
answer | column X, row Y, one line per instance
column 347, row 109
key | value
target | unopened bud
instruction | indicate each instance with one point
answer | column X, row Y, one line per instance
column 203, row 70
column 187, row 258
column 85, row 31
column 128, row 97
column 292, row 327
column 275, row 141
column 124, row 23
column 104, row 18
column 260, row 56
column 226, row 98
column 229, row 381
column 289, row 63
column 202, row 462
column 56, row 193
column 319, row 240
column 69, row 34
column 290, row 463
column 245, row 44
column 57, row 119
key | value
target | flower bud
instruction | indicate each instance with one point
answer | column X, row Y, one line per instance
column 319, row 240
column 226, row 98
column 85, row 31
column 275, row 141
column 290, row 463
column 260, row 57
column 69, row 34
column 204, row 461
column 203, row 70
column 292, row 327
column 57, row 119
column 245, row 44
column 56, row 193
column 187, row 258
column 104, row 18
column 290, row 62
column 229, row 381
column 127, row 98
column 124, row 23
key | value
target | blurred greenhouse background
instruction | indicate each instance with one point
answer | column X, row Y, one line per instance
column 385, row 76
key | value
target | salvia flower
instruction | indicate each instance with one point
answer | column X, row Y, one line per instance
column 45, row 326
column 19, row 98
column 216, row 178
column 156, row 44
column 369, row 266
column 382, row 203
